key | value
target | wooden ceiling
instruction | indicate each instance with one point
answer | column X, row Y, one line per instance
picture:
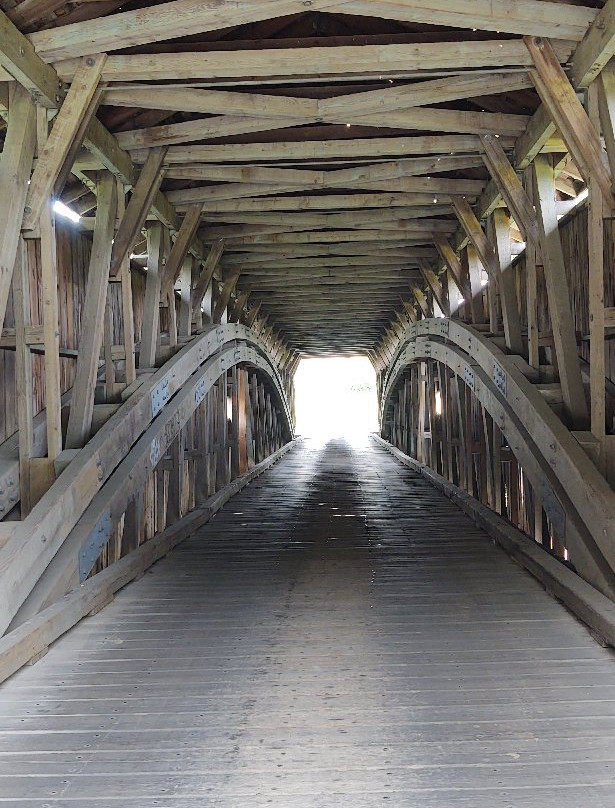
column 324, row 143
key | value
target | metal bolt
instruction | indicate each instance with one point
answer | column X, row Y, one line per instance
column 21, row 50
column 89, row 61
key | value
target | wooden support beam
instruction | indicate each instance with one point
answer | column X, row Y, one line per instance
column 165, row 21
column 126, row 301
column 90, row 340
column 565, row 21
column 338, row 62
column 417, row 118
column 23, row 374
column 409, row 309
column 15, row 168
column 238, row 307
column 68, row 121
column 606, row 104
column 421, row 299
column 507, row 283
column 18, row 58
column 596, row 48
column 510, row 187
column 558, row 295
column 434, row 283
column 51, row 324
column 453, row 265
column 42, row 81
column 600, row 101
column 180, row 248
column 212, row 102
column 150, row 330
column 184, row 324
column 321, row 150
column 477, row 237
column 473, row 266
column 318, row 178
column 225, row 295
column 558, row 95
column 423, row 93
column 201, row 129
column 207, row 273
column 536, row 136
column 533, row 268
column 253, row 314
column 68, row 166
column 138, row 207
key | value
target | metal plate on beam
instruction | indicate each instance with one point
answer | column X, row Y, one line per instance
column 468, row 377
column 200, row 391
column 93, row 545
column 500, row 378
column 9, row 492
column 154, row 452
column 159, row 396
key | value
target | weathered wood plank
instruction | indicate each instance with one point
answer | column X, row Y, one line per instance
column 558, row 95
column 68, row 121
column 138, row 207
column 15, row 168
column 340, row 61
column 558, row 294
column 90, row 340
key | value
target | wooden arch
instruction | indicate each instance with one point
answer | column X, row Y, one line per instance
column 39, row 560
column 573, row 493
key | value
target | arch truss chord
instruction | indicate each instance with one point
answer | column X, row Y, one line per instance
column 191, row 433
column 452, row 399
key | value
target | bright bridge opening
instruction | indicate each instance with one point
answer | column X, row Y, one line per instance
column 335, row 397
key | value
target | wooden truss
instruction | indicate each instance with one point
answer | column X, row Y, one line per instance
column 244, row 203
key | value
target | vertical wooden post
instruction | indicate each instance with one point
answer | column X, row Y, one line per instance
column 133, row 524
column 242, row 425
column 172, row 318
column 90, row 340
column 222, row 461
column 108, row 340
column 496, row 455
column 595, row 243
column 474, row 270
column 196, row 314
column 508, row 288
column 15, row 168
column 51, row 325
column 235, row 435
column 128, row 326
column 176, row 476
column 185, row 288
column 531, row 286
column 558, row 295
column 150, row 330
column 23, row 374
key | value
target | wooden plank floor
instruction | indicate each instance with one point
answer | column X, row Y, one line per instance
column 340, row 635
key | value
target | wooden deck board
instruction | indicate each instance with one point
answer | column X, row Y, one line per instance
column 339, row 635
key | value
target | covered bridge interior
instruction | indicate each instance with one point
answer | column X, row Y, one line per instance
column 195, row 195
